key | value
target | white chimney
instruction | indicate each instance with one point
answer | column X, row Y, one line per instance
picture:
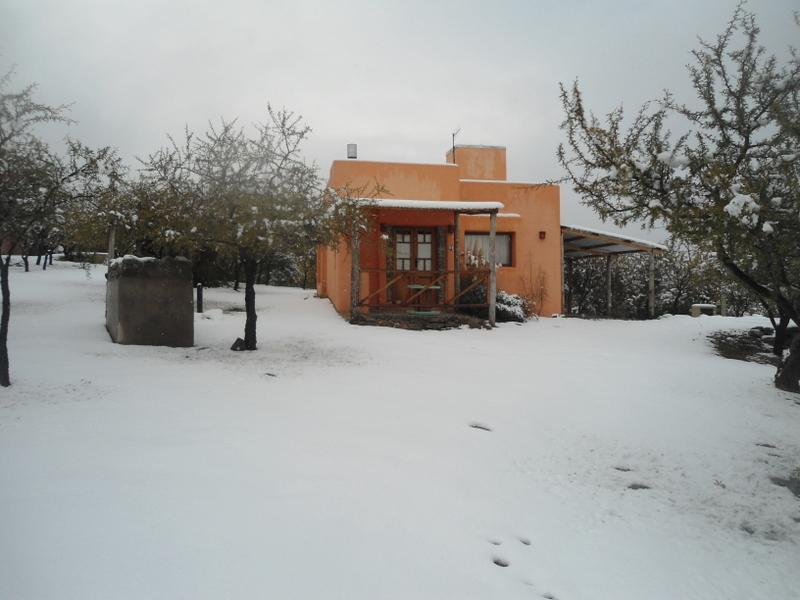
column 352, row 151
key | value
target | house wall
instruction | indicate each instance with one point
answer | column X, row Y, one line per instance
column 479, row 162
column 537, row 263
column 408, row 181
column 333, row 275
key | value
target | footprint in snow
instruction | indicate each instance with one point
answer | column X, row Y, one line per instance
column 500, row 561
column 638, row 486
column 495, row 542
column 524, row 540
column 480, row 426
column 623, row 469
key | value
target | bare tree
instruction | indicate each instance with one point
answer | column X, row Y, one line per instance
column 238, row 194
column 730, row 185
column 36, row 185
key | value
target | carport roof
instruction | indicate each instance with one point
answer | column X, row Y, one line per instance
column 585, row 242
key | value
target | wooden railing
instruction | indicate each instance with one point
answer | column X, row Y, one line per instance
column 409, row 293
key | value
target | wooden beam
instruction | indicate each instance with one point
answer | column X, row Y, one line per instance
column 571, row 254
column 572, row 248
column 376, row 292
column 471, row 286
column 425, row 289
column 457, row 252
column 492, row 268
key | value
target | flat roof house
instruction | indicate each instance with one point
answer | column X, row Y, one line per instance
column 429, row 243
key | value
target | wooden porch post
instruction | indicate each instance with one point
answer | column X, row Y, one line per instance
column 492, row 267
column 441, row 261
column 457, row 253
column 608, row 284
column 651, row 286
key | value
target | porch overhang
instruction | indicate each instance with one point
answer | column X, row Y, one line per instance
column 441, row 279
column 584, row 242
column 456, row 206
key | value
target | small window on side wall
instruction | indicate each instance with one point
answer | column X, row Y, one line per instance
column 477, row 245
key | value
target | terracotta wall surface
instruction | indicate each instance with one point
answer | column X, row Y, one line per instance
column 333, row 276
column 479, row 162
column 536, row 269
column 406, row 181
column 536, row 263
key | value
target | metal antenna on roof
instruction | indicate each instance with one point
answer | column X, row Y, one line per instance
column 455, row 133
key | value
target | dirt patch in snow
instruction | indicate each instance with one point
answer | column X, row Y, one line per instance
column 741, row 345
column 435, row 320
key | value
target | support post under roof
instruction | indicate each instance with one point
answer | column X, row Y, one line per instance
column 651, row 285
column 492, row 268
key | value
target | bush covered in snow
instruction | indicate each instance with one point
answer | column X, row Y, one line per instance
column 512, row 307
column 509, row 307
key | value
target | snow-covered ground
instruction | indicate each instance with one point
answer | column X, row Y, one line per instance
column 340, row 461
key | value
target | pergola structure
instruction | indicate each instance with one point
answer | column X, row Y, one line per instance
column 583, row 242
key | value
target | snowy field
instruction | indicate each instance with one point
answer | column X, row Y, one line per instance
column 343, row 462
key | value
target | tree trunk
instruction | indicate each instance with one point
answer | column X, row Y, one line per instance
column 355, row 275
column 250, row 270
column 50, row 257
column 237, row 271
column 26, row 263
column 788, row 375
column 780, row 333
column 5, row 379
column 789, row 371
column 38, row 259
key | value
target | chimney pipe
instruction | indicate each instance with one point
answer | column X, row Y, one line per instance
column 352, row 151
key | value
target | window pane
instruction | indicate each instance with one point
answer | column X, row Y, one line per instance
column 477, row 244
column 403, row 250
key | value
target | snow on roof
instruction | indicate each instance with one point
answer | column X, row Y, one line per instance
column 506, row 215
column 435, row 204
column 529, row 183
column 615, row 236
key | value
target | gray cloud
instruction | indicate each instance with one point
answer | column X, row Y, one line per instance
column 395, row 77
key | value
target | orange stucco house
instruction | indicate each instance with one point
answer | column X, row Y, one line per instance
column 430, row 238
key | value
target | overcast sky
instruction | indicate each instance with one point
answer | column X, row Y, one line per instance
column 395, row 77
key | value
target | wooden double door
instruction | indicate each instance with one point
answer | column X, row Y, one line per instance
column 415, row 258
